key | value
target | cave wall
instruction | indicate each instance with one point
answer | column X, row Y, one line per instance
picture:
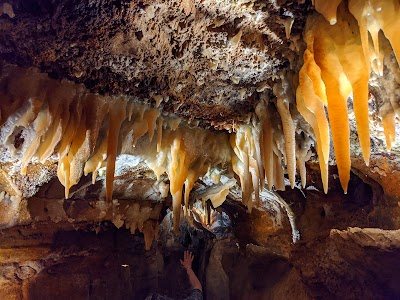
column 339, row 255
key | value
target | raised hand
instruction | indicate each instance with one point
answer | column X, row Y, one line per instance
column 187, row 260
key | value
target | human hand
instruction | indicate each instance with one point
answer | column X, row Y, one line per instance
column 187, row 260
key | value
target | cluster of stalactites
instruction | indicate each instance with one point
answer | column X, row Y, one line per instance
column 263, row 154
column 372, row 17
column 185, row 155
column 86, row 132
column 337, row 63
column 60, row 118
column 137, row 217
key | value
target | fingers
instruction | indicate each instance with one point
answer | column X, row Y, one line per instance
column 188, row 256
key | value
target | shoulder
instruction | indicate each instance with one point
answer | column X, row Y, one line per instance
column 195, row 294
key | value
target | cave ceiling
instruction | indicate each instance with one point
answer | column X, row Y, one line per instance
column 194, row 100
column 205, row 59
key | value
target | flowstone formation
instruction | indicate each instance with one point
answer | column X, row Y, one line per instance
column 264, row 133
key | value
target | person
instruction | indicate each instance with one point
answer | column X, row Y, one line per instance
column 196, row 293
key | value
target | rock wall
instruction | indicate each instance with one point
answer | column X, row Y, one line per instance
column 255, row 259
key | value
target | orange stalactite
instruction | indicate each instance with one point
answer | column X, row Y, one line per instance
column 308, row 79
column 388, row 122
column 328, row 9
column 279, row 179
column 311, row 119
column 177, row 172
column 289, row 135
column 116, row 116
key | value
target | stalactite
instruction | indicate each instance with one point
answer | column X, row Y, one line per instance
column 373, row 16
column 149, row 229
column 288, row 130
column 313, row 99
column 266, row 141
column 341, row 55
column 177, row 172
column 116, row 117
column 13, row 96
column 216, row 194
column 279, row 179
column 303, row 154
column 159, row 133
column 88, row 131
column 258, row 162
column 186, row 154
column 96, row 161
column 151, row 117
column 291, row 217
column 41, row 125
column 327, row 9
column 388, row 116
column 198, row 168
column 311, row 119
column 247, row 163
column 321, row 38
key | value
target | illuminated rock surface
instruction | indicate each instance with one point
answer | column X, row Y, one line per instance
column 264, row 136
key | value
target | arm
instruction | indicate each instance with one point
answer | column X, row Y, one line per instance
column 187, row 264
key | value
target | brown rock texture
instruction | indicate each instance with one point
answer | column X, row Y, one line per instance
column 211, row 63
column 190, row 53
column 72, row 249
